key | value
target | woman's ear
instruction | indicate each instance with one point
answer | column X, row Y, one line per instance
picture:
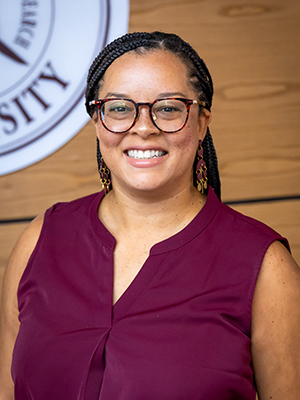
column 203, row 121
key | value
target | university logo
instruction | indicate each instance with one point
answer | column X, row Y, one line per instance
column 46, row 48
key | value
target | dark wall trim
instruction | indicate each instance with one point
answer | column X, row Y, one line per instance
column 262, row 200
column 16, row 221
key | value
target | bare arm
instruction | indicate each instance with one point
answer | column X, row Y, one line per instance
column 9, row 323
column 276, row 326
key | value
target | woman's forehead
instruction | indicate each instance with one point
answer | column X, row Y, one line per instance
column 153, row 68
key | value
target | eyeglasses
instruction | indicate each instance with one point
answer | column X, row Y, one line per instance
column 169, row 114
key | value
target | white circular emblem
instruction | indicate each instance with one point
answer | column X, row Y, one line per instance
column 46, row 48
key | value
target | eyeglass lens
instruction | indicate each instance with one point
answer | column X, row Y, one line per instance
column 169, row 115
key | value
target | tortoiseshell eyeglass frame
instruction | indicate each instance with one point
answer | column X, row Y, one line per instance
column 188, row 103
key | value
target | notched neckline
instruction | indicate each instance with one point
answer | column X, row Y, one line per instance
column 192, row 229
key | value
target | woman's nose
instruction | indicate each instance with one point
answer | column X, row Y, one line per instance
column 144, row 125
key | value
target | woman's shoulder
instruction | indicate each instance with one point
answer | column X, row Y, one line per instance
column 22, row 251
column 246, row 220
column 28, row 240
column 76, row 204
column 242, row 225
column 232, row 219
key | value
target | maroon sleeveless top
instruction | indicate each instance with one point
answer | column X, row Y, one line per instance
column 180, row 331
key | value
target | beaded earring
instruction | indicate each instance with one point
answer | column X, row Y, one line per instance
column 104, row 176
column 201, row 170
column 103, row 171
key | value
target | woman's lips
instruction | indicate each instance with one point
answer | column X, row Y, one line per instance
column 145, row 158
column 146, row 154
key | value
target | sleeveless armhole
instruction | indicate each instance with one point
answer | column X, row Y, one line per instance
column 256, row 272
column 36, row 247
column 262, row 237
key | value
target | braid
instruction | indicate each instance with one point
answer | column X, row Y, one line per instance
column 201, row 73
column 98, row 154
column 198, row 75
column 211, row 161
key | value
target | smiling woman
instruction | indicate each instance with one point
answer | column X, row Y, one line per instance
column 151, row 125
column 154, row 287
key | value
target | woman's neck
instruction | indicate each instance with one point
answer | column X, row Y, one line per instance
column 164, row 217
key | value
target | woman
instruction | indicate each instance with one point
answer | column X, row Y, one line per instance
column 151, row 289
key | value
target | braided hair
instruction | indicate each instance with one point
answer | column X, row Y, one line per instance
column 198, row 74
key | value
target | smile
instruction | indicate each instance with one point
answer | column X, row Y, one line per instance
column 145, row 155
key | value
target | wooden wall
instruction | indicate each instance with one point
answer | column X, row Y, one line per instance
column 252, row 50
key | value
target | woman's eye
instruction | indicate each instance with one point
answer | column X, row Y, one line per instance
column 167, row 109
column 118, row 109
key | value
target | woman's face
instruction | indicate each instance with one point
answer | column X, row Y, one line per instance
column 165, row 166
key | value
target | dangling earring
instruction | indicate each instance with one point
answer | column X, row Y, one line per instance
column 201, row 170
column 104, row 176
column 103, row 171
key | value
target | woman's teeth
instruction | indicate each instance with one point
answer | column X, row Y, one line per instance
column 144, row 155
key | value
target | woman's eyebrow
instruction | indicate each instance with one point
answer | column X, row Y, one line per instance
column 160, row 95
column 171, row 94
column 114, row 94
